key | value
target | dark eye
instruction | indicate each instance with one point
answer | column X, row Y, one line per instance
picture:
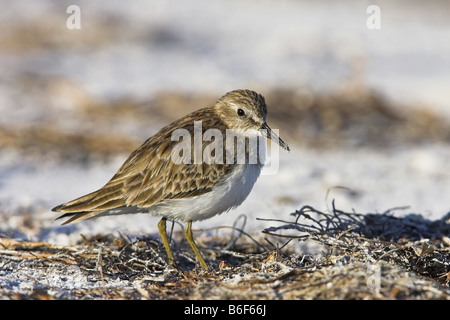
column 240, row 112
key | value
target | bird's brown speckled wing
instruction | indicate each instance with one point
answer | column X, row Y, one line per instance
column 149, row 175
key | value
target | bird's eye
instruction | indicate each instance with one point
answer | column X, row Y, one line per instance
column 240, row 112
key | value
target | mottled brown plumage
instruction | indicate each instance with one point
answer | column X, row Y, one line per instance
column 149, row 176
column 151, row 182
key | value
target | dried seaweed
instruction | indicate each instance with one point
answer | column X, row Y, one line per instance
column 369, row 256
column 410, row 242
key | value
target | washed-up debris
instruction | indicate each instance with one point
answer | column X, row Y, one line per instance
column 410, row 242
column 372, row 256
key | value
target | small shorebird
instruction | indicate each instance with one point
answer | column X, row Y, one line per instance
column 153, row 180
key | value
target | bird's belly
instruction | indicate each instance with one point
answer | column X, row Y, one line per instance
column 229, row 194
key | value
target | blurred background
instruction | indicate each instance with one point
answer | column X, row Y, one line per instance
column 366, row 111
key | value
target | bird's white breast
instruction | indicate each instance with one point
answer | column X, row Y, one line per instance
column 227, row 194
column 230, row 193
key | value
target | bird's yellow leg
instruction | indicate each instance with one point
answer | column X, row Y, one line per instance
column 190, row 239
column 162, row 232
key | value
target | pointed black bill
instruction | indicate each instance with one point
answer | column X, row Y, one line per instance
column 269, row 134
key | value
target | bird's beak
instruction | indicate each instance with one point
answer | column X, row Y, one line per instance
column 269, row 134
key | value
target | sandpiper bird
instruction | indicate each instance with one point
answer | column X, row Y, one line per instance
column 162, row 179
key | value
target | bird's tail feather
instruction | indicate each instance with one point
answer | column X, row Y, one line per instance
column 78, row 216
column 90, row 205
